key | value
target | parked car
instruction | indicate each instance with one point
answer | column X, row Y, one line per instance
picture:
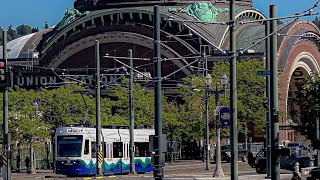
column 226, row 153
column 314, row 174
column 253, row 150
column 297, row 148
column 286, row 162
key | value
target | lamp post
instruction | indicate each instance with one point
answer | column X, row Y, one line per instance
column 208, row 81
column 32, row 157
column 47, row 146
column 224, row 81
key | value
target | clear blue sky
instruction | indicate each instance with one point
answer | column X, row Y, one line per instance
column 36, row 12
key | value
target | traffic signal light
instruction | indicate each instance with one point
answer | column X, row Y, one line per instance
column 3, row 73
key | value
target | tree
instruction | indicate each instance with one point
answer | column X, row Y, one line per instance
column 308, row 107
column 46, row 25
column 1, row 38
column 250, row 89
column 23, row 30
column 317, row 21
column 12, row 33
column 34, row 30
column 25, row 122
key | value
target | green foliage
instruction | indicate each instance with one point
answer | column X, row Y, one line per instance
column 9, row 38
column 182, row 116
column 23, row 30
column 317, row 21
column 308, row 103
column 250, row 92
column 12, row 33
column 34, row 30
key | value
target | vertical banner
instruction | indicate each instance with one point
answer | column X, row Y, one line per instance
column 224, row 115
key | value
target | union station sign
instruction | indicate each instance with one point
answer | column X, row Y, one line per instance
column 29, row 79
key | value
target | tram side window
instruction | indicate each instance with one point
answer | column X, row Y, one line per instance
column 93, row 150
column 141, row 149
column 117, row 149
column 110, row 150
column 104, row 150
column 86, row 147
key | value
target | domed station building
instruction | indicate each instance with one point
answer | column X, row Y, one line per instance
column 128, row 24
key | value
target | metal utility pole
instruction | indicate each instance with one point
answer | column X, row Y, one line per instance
column 233, row 94
column 158, row 171
column 275, row 165
column 268, row 112
column 132, row 164
column 99, row 154
column 207, row 145
column 6, row 146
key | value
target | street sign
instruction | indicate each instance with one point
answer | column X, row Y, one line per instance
column 288, row 127
column 263, row 73
column 224, row 114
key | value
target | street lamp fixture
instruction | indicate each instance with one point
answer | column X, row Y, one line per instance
column 208, row 80
column 36, row 106
column 224, row 80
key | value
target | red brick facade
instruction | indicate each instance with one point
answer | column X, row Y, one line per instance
column 302, row 47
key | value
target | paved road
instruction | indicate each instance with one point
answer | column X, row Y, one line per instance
column 180, row 170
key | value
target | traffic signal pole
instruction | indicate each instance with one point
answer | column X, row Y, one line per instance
column 275, row 165
column 6, row 175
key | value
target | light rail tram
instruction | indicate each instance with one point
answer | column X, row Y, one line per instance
column 75, row 149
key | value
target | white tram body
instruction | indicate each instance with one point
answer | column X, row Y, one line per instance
column 75, row 149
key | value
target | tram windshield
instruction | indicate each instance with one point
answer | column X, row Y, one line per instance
column 69, row 146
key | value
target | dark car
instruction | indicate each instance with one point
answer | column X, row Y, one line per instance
column 314, row 174
column 226, row 153
column 253, row 150
column 286, row 162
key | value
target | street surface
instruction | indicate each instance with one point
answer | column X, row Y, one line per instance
column 180, row 170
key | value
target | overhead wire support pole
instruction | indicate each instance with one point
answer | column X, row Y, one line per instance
column 207, row 145
column 275, row 165
column 233, row 94
column 6, row 147
column 131, row 146
column 99, row 154
column 158, row 171
column 268, row 112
